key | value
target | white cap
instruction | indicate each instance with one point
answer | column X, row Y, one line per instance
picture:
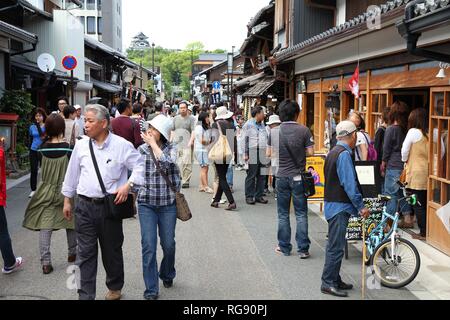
column 163, row 125
column 274, row 120
column 345, row 128
column 223, row 113
column 77, row 107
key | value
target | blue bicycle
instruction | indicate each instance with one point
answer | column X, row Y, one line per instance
column 395, row 261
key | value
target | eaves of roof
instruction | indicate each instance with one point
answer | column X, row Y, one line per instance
column 391, row 9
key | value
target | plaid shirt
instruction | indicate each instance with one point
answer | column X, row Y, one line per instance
column 155, row 190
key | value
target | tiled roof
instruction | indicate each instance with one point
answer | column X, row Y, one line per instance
column 352, row 23
column 256, row 19
column 429, row 6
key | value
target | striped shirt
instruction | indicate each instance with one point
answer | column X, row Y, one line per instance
column 155, row 191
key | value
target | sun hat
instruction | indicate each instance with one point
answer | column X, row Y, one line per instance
column 274, row 120
column 163, row 125
column 345, row 128
column 223, row 113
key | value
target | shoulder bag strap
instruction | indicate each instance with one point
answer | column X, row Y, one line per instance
column 72, row 137
column 286, row 144
column 163, row 174
column 94, row 160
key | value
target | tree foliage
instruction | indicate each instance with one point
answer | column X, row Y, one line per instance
column 176, row 65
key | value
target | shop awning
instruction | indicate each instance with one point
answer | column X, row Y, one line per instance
column 260, row 88
column 108, row 87
column 16, row 33
column 92, row 64
column 20, row 62
column 422, row 16
column 249, row 81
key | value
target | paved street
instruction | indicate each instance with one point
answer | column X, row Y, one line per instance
column 220, row 255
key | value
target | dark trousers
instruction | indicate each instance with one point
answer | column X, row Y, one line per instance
column 6, row 249
column 92, row 229
column 337, row 229
column 222, row 170
column 35, row 160
column 421, row 211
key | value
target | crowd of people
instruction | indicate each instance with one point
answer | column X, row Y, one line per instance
column 151, row 153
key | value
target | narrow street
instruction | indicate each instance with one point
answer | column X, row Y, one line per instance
column 220, row 256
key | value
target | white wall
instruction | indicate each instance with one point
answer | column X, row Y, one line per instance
column 340, row 12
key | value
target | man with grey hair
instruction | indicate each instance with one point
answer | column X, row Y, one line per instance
column 343, row 199
column 115, row 156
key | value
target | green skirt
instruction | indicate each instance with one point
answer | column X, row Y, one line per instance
column 45, row 210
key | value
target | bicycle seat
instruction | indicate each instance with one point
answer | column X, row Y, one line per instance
column 384, row 198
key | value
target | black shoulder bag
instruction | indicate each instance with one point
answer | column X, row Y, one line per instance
column 121, row 211
column 307, row 178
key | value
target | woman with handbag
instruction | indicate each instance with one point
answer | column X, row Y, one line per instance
column 415, row 155
column 157, row 205
column 222, row 155
column 45, row 210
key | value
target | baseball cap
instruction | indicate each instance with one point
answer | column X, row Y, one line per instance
column 77, row 107
column 345, row 128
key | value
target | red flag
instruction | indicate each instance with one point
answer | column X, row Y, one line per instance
column 354, row 83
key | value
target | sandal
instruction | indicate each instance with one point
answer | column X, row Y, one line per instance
column 209, row 190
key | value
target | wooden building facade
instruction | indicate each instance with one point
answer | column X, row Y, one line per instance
column 322, row 66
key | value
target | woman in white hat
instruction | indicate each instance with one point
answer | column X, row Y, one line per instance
column 157, row 207
column 224, row 120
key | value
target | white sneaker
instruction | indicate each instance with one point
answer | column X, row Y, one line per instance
column 32, row 194
column 19, row 263
column 223, row 201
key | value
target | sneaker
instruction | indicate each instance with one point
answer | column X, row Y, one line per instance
column 304, row 255
column 32, row 194
column 223, row 201
column 17, row 266
column 280, row 252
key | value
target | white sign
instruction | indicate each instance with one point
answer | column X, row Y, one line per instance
column 366, row 175
column 46, row 62
column 444, row 214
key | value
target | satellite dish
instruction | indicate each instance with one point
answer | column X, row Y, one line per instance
column 46, row 62
column 128, row 75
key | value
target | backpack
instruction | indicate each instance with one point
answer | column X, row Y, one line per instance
column 372, row 154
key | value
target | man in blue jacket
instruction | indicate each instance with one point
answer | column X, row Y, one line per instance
column 343, row 199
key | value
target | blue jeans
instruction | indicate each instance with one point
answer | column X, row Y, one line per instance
column 230, row 176
column 152, row 218
column 5, row 241
column 337, row 229
column 391, row 188
column 287, row 188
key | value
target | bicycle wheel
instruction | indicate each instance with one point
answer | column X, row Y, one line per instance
column 398, row 272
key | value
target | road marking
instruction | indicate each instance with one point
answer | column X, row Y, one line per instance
column 10, row 184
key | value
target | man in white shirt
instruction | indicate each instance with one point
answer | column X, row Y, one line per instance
column 115, row 156
column 79, row 120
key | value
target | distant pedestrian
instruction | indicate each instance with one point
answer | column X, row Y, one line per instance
column 343, row 199
column 93, row 224
column 80, row 120
column 201, row 148
column 45, row 210
column 273, row 148
column 37, row 136
column 11, row 263
column 72, row 132
column 227, row 129
column 240, row 143
column 255, row 155
column 379, row 143
column 295, row 144
column 62, row 102
column 125, row 126
column 157, row 207
column 158, row 110
column 183, row 132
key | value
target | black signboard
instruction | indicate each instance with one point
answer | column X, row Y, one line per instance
column 355, row 231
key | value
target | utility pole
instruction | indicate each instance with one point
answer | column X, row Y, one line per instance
column 192, row 72
column 232, row 75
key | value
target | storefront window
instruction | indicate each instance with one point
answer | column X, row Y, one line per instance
column 438, row 101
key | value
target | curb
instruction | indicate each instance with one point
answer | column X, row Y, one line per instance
column 14, row 183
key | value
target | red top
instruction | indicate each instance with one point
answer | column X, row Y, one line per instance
column 2, row 178
column 123, row 127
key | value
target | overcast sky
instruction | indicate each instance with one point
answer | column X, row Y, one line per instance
column 173, row 24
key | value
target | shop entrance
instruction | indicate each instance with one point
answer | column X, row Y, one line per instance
column 414, row 98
